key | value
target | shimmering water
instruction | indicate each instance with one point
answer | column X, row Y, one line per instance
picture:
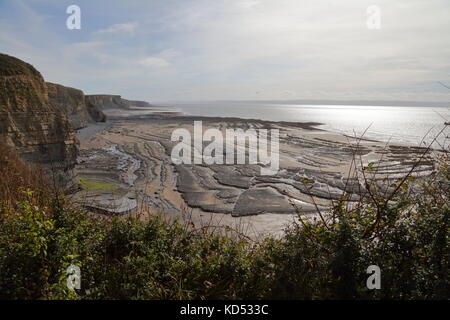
column 397, row 124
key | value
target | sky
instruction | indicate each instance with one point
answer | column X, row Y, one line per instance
column 168, row 50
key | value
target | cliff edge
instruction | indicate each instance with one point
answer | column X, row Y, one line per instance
column 72, row 102
column 39, row 131
column 108, row 101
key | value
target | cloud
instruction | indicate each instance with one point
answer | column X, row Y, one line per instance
column 248, row 4
column 154, row 62
column 128, row 28
column 237, row 49
column 169, row 54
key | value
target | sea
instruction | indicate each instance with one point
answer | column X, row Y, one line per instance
column 410, row 125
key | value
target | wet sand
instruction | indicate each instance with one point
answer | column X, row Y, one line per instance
column 87, row 132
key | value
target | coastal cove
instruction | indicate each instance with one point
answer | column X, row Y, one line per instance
column 314, row 164
column 225, row 158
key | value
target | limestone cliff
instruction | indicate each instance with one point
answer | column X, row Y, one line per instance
column 135, row 103
column 73, row 103
column 106, row 101
column 38, row 130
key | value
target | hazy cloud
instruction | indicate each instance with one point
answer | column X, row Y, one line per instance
column 237, row 49
column 128, row 28
column 154, row 62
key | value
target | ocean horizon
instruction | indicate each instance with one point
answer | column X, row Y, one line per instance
column 400, row 124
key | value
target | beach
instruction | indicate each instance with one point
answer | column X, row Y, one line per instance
column 128, row 164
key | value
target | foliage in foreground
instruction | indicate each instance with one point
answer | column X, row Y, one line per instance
column 407, row 237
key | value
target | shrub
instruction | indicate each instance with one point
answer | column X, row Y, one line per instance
column 405, row 234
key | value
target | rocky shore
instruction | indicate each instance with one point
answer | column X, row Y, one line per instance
column 121, row 157
column 131, row 159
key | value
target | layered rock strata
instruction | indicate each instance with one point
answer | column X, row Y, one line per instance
column 38, row 130
column 73, row 103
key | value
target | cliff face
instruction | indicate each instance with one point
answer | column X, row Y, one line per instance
column 135, row 103
column 38, row 130
column 106, row 101
column 72, row 102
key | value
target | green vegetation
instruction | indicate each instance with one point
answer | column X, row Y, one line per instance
column 405, row 233
column 91, row 184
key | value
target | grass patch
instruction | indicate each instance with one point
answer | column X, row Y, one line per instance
column 96, row 185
